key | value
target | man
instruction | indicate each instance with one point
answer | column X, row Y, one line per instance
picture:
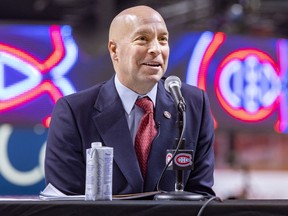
column 139, row 49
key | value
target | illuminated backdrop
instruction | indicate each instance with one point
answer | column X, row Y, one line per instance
column 245, row 78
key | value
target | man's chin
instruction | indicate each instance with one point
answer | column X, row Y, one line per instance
column 155, row 76
column 154, row 79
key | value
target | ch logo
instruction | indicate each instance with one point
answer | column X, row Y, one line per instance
column 183, row 160
column 250, row 85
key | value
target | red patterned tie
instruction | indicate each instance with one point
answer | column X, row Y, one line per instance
column 145, row 133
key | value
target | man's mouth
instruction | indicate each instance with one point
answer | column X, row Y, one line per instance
column 154, row 64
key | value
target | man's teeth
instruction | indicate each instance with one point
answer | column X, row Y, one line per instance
column 152, row 64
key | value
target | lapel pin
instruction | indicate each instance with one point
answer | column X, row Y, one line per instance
column 167, row 114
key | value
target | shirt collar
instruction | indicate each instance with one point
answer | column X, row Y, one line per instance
column 128, row 97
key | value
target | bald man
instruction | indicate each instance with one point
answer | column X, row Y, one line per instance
column 139, row 50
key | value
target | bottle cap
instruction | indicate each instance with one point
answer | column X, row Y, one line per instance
column 96, row 144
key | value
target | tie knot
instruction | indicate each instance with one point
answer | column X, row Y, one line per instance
column 145, row 103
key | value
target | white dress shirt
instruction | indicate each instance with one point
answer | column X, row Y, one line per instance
column 133, row 113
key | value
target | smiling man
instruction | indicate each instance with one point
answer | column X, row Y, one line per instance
column 111, row 113
column 138, row 45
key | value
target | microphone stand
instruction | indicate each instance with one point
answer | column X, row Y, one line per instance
column 179, row 193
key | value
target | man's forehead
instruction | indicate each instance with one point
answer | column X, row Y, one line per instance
column 131, row 23
column 150, row 28
column 145, row 22
column 143, row 18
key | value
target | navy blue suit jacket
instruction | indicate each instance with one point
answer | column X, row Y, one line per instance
column 97, row 114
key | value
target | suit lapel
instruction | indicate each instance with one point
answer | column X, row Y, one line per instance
column 111, row 123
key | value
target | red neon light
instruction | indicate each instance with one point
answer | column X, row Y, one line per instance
column 59, row 51
column 45, row 86
column 241, row 114
column 277, row 126
column 46, row 121
column 217, row 41
column 282, row 121
column 52, row 60
column 243, row 53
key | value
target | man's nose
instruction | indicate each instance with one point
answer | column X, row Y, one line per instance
column 155, row 48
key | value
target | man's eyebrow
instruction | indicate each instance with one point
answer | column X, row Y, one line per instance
column 147, row 31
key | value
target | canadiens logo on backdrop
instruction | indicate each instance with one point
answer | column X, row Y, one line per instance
column 248, row 83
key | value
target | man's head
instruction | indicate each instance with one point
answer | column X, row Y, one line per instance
column 139, row 49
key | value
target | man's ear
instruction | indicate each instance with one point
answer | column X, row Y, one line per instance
column 113, row 50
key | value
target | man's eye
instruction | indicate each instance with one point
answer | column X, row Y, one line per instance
column 142, row 38
column 163, row 39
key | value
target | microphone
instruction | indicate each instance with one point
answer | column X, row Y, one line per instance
column 173, row 85
column 178, row 159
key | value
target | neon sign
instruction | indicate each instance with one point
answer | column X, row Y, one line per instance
column 9, row 171
column 248, row 83
column 40, row 76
